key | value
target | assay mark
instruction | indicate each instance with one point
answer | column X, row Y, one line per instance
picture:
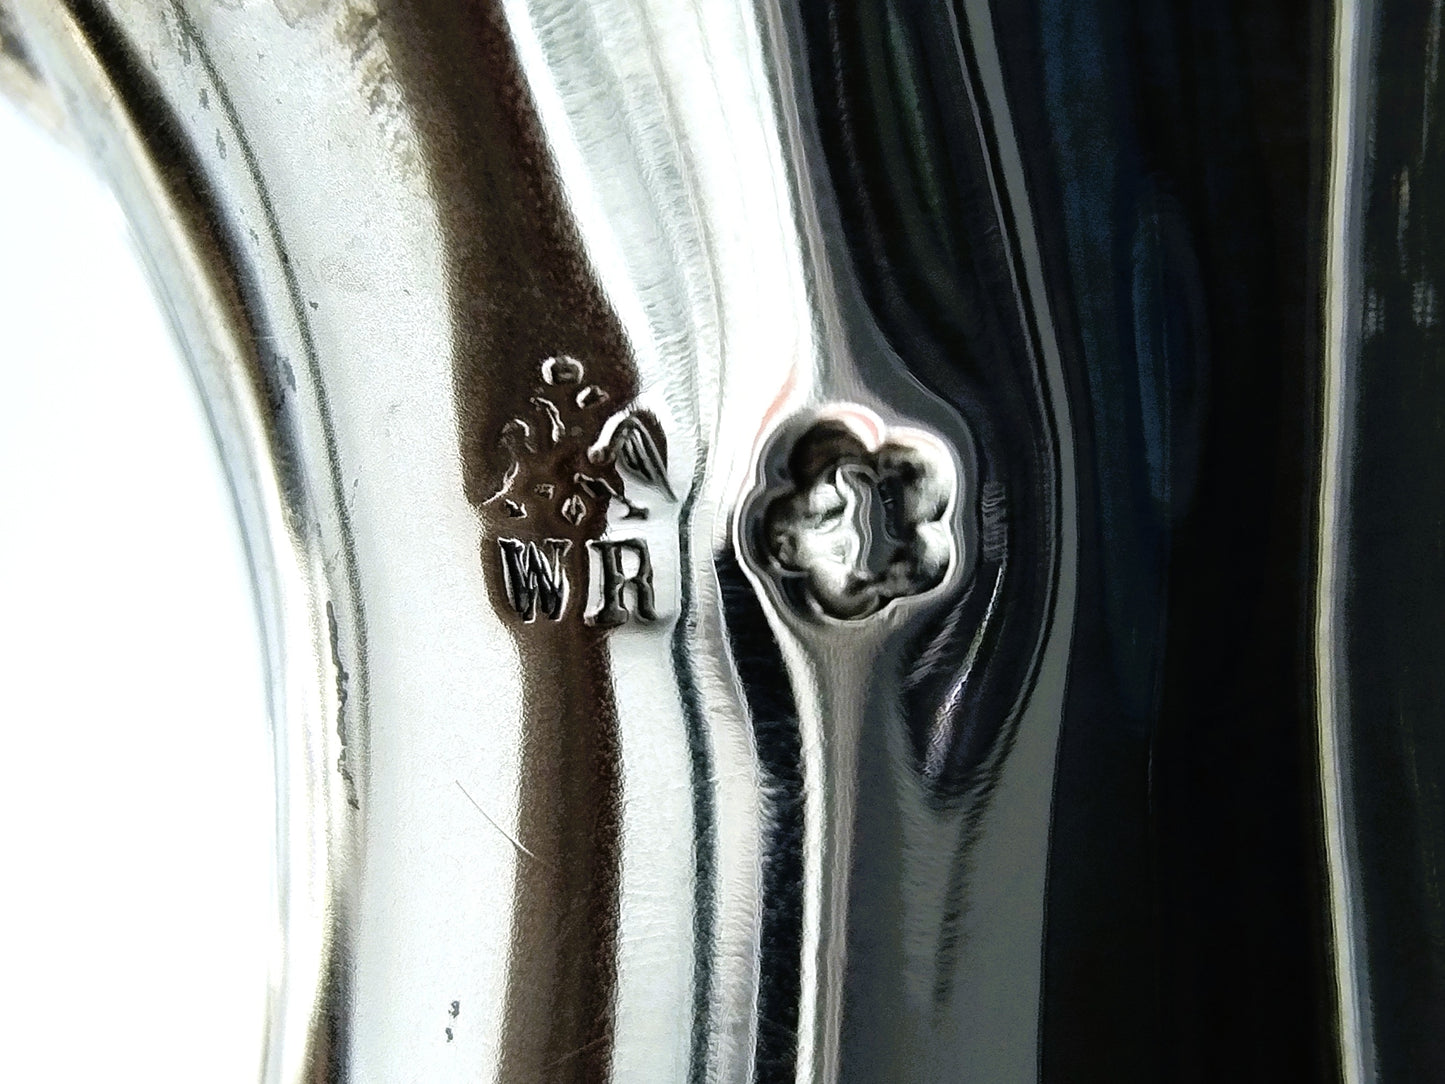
column 847, row 527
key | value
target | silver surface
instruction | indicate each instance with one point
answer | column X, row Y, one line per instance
column 274, row 163
column 602, row 536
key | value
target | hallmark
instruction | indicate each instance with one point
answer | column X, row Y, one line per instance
column 613, row 580
column 619, row 576
column 850, row 524
column 572, row 454
column 534, row 576
column 577, row 454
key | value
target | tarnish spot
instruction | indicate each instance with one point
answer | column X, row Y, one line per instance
column 343, row 680
column 359, row 32
column 296, row 11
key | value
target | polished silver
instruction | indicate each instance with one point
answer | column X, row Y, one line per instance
column 668, row 673
column 275, row 162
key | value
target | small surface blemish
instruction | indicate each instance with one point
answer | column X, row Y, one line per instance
column 343, row 679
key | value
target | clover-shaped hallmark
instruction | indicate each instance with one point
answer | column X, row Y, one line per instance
column 848, row 528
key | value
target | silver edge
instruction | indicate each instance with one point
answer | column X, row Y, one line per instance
column 1342, row 274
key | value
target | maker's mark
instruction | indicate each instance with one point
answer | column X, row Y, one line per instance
column 571, row 452
column 847, row 528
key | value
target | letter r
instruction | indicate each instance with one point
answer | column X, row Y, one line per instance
column 611, row 609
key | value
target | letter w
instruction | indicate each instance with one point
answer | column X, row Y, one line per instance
column 534, row 576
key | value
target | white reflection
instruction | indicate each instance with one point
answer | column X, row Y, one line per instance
column 134, row 773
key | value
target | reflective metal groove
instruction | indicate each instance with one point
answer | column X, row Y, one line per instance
column 818, row 541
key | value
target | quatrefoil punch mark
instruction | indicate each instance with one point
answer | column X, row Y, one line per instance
column 852, row 515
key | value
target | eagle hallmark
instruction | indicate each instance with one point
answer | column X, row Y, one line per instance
column 571, row 452
column 569, row 457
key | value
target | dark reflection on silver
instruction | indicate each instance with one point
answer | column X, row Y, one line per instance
column 818, row 541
